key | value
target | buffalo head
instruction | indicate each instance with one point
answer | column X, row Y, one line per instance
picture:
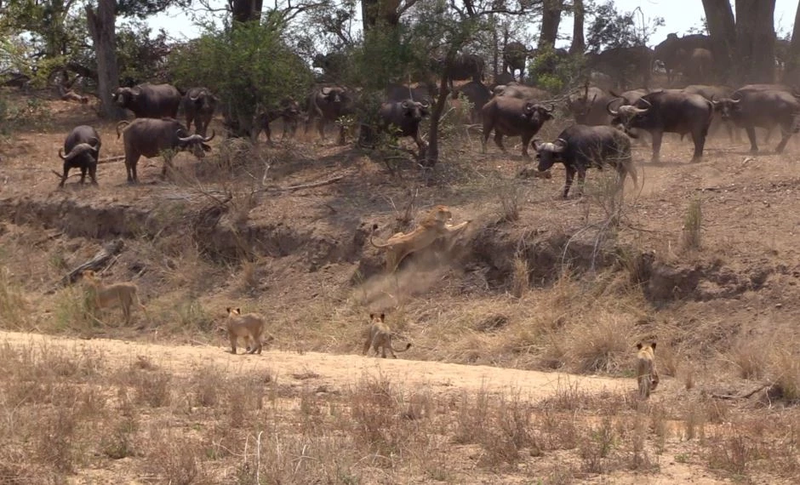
column 124, row 97
column 333, row 95
column 80, row 149
column 549, row 153
column 196, row 144
column 726, row 107
column 414, row 109
column 537, row 113
column 203, row 99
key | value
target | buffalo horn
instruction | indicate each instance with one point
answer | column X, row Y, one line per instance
column 60, row 155
column 552, row 108
column 78, row 149
column 612, row 112
column 213, row 134
column 560, row 145
column 643, row 100
column 736, row 100
column 404, row 104
column 326, row 91
column 537, row 144
column 194, row 98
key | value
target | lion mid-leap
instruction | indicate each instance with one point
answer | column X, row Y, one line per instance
column 434, row 226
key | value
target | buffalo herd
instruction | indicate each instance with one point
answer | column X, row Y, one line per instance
column 605, row 120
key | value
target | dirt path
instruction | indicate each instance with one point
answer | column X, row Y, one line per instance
column 329, row 369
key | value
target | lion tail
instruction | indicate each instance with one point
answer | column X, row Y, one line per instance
column 408, row 346
column 372, row 235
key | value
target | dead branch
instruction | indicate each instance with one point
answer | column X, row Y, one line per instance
column 741, row 396
column 117, row 158
column 308, row 186
column 99, row 260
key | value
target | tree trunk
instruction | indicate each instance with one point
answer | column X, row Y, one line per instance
column 246, row 10
column 793, row 62
column 102, row 29
column 722, row 30
column 432, row 152
column 755, row 40
column 379, row 12
column 551, row 17
column 578, row 41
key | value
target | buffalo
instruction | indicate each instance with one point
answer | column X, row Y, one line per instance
column 667, row 111
column 327, row 103
column 150, row 137
column 588, row 106
column 199, row 106
column 399, row 92
column 406, row 115
column 82, row 148
column 516, row 90
column 712, row 93
column 478, row 94
column 674, row 50
column 580, row 147
column 764, row 108
column 630, row 97
column 463, row 67
column 513, row 117
column 623, row 64
column 698, row 65
column 149, row 100
column 514, row 56
column 288, row 110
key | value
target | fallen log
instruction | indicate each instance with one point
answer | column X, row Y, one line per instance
column 99, row 260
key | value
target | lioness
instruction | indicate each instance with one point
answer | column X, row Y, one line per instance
column 122, row 294
column 247, row 326
column 434, row 226
column 380, row 336
column 646, row 372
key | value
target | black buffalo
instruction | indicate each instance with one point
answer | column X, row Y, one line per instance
column 764, row 108
column 715, row 93
column 516, row 90
column 149, row 100
column 588, row 106
column 513, row 117
column 150, row 137
column 674, row 51
column 405, row 116
column 399, row 92
column 581, row 147
column 478, row 95
column 623, row 64
column 326, row 104
column 199, row 105
column 82, row 148
column 514, row 56
column 463, row 67
column 288, row 110
column 667, row 111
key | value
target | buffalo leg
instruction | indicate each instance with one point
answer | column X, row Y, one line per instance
column 657, row 136
column 64, row 177
column 93, row 174
column 751, row 134
column 786, row 133
column 421, row 145
column 498, row 140
column 581, row 180
column 83, row 175
column 341, row 135
column 321, row 127
column 699, row 140
column 568, row 184
column 189, row 120
column 487, row 130
column 526, row 140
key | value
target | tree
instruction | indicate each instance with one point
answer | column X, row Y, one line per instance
column 551, row 18
column 793, row 56
column 750, row 39
column 578, row 45
column 101, row 23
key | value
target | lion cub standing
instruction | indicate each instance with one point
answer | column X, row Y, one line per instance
column 646, row 372
column 247, row 326
column 380, row 336
column 122, row 294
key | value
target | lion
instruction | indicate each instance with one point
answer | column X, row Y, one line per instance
column 434, row 226
column 248, row 326
column 380, row 336
column 646, row 372
column 122, row 294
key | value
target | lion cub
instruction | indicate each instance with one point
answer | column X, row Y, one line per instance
column 247, row 326
column 646, row 372
column 122, row 294
column 380, row 336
